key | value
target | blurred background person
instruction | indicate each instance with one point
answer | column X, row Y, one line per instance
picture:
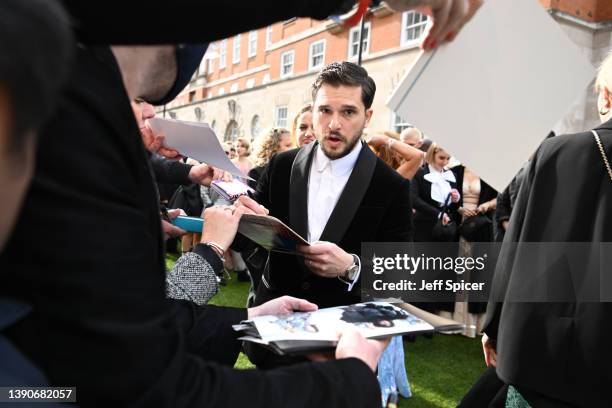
column 243, row 155
column 404, row 159
column 556, row 352
column 432, row 187
column 34, row 63
column 412, row 136
column 302, row 131
column 275, row 140
column 230, row 150
column 477, row 204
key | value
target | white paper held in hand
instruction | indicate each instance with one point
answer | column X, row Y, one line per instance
column 491, row 96
column 195, row 140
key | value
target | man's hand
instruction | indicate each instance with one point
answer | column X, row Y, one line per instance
column 490, row 354
column 326, row 259
column 467, row 213
column 280, row 306
column 171, row 230
column 251, row 206
column 454, row 195
column 505, row 224
column 445, row 219
column 204, row 174
column 352, row 344
column 220, row 224
column 448, row 16
column 155, row 143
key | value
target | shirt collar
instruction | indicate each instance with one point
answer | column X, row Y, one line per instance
column 339, row 167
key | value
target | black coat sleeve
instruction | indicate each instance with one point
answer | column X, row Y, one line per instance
column 170, row 171
column 187, row 21
column 505, row 261
column 418, row 202
column 397, row 223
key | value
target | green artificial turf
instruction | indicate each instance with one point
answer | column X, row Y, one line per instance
column 440, row 370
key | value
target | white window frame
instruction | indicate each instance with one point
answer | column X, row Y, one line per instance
column 221, row 91
column 250, row 83
column 234, row 87
column 252, row 43
column 266, row 79
column 367, row 40
column 211, row 66
column 284, row 74
column 269, row 30
column 396, row 122
column 404, row 41
column 278, row 120
column 223, row 54
column 236, row 49
column 311, row 56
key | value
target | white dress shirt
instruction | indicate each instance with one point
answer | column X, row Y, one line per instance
column 325, row 184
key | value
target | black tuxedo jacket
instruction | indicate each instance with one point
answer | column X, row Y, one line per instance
column 87, row 255
column 373, row 207
column 427, row 210
column 558, row 350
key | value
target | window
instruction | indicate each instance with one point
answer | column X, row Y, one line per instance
column 252, row 43
column 202, row 67
column 268, row 36
column 221, row 91
column 211, row 66
column 222, row 54
column 353, row 50
column 400, row 124
column 250, row 83
column 280, row 116
column 192, row 96
column 236, row 50
column 234, row 87
column 316, row 55
column 287, row 63
column 413, row 26
column 231, row 131
column 266, row 79
column 255, row 126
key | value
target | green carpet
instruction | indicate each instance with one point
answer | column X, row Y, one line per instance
column 440, row 370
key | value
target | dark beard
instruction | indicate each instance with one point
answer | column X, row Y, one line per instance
column 344, row 152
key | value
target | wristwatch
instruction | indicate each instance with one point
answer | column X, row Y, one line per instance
column 351, row 271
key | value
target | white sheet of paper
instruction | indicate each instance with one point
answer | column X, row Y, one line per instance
column 195, row 140
column 491, row 96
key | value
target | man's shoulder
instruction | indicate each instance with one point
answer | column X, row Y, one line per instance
column 383, row 172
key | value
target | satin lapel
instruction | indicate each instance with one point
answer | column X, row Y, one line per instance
column 351, row 197
column 298, row 189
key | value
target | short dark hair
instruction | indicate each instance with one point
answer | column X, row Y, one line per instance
column 346, row 74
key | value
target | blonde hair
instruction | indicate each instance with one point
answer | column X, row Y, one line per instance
column 268, row 145
column 604, row 75
column 432, row 151
column 294, row 138
column 245, row 142
column 411, row 130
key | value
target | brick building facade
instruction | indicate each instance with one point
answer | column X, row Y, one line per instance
column 262, row 78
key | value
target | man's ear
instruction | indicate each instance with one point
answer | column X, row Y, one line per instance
column 368, row 116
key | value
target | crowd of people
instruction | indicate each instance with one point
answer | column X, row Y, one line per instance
column 89, row 193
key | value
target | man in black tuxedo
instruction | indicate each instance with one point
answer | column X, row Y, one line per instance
column 335, row 192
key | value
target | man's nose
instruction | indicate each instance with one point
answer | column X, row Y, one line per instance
column 334, row 123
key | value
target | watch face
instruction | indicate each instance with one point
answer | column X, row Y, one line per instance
column 351, row 272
